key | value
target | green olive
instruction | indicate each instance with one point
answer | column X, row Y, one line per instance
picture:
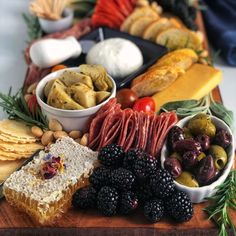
column 202, row 116
column 176, row 155
column 201, row 156
column 187, row 179
column 187, row 133
column 219, row 155
column 202, row 126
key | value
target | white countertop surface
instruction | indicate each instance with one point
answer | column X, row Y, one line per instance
column 13, row 36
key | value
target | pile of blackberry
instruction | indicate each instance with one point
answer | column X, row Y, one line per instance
column 128, row 180
column 182, row 9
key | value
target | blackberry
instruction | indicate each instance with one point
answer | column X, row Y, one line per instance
column 144, row 193
column 154, row 210
column 107, row 201
column 100, row 177
column 122, row 179
column 128, row 202
column 162, row 183
column 85, row 198
column 130, row 157
column 179, row 207
column 144, row 166
column 111, row 155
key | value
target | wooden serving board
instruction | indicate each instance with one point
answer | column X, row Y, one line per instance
column 89, row 223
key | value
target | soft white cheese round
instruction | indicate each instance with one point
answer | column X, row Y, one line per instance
column 120, row 57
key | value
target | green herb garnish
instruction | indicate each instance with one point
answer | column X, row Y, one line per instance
column 221, row 202
column 34, row 29
column 205, row 105
column 17, row 109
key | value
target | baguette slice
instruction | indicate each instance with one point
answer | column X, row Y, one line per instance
column 151, row 31
column 175, row 38
column 182, row 58
column 155, row 80
column 139, row 25
column 137, row 13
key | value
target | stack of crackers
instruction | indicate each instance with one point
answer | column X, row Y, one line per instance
column 16, row 144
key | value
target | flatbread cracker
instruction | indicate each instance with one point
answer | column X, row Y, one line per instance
column 16, row 129
column 11, row 156
column 10, row 139
column 20, row 148
column 8, row 167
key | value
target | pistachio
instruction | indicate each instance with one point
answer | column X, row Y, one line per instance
column 47, row 138
column 59, row 134
column 54, row 125
column 27, row 97
column 75, row 134
column 36, row 131
column 32, row 87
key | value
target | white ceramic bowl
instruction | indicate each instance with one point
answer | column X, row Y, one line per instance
column 199, row 194
column 52, row 26
column 70, row 119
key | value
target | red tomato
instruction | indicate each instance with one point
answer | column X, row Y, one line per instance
column 145, row 104
column 126, row 97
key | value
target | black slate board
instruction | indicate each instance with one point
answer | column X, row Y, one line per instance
column 151, row 52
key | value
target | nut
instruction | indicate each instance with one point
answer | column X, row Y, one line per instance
column 36, row 131
column 27, row 97
column 77, row 140
column 75, row 134
column 54, row 125
column 32, row 87
column 84, row 140
column 47, row 138
column 59, row 134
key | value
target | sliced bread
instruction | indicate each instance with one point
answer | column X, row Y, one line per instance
column 137, row 13
column 151, row 31
column 175, row 38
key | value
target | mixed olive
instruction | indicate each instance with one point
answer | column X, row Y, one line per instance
column 197, row 152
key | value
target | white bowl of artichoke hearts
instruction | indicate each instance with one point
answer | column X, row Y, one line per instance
column 74, row 95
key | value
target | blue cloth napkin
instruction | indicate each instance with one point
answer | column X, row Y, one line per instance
column 220, row 21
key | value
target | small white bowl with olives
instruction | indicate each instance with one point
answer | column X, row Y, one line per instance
column 199, row 153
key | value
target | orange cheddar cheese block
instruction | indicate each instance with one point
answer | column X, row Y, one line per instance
column 197, row 82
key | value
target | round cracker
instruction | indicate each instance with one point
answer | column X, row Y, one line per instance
column 8, row 167
column 16, row 129
column 20, row 148
column 11, row 155
column 10, row 139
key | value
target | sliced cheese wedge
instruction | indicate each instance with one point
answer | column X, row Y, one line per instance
column 197, row 82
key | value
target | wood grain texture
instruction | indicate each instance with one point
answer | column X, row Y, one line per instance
column 90, row 223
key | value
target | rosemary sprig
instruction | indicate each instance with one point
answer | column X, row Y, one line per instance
column 221, row 202
column 34, row 29
column 16, row 108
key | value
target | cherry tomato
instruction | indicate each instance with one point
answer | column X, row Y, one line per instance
column 126, row 97
column 145, row 104
column 58, row 67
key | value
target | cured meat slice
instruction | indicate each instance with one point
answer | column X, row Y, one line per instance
column 132, row 129
column 113, row 130
column 99, row 123
column 124, row 128
column 149, row 137
column 146, row 119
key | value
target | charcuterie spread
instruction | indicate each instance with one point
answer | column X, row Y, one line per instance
column 157, row 141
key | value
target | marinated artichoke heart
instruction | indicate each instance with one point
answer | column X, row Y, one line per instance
column 101, row 96
column 82, row 94
column 48, row 87
column 98, row 75
column 58, row 97
column 70, row 77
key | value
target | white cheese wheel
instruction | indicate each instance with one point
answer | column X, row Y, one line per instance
column 120, row 57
